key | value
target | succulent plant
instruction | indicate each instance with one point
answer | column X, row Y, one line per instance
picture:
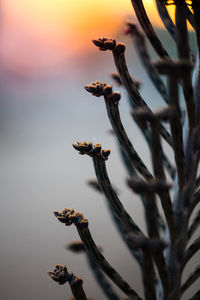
column 164, row 251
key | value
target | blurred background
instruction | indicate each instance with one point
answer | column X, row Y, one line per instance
column 46, row 57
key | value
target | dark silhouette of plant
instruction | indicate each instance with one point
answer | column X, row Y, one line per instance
column 163, row 253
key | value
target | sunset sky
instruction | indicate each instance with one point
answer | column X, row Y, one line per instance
column 48, row 31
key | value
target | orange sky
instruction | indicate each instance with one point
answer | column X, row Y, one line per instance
column 64, row 27
column 60, row 20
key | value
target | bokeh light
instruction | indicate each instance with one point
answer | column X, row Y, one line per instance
column 38, row 34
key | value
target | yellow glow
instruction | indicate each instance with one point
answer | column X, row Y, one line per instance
column 67, row 23
column 42, row 33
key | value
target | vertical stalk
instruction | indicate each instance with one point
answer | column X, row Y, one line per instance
column 176, row 129
column 195, row 7
column 148, row 275
column 196, row 14
column 153, row 234
column 184, row 54
column 157, row 160
column 148, row 28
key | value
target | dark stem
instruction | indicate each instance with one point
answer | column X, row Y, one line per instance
column 148, row 28
column 157, row 155
column 133, row 157
column 111, row 196
column 77, row 289
column 191, row 279
column 176, row 129
column 93, row 251
column 133, row 92
column 191, row 251
column 184, row 54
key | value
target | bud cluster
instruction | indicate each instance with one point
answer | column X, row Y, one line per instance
column 91, row 150
column 97, row 88
column 61, row 275
column 69, row 217
column 109, row 44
